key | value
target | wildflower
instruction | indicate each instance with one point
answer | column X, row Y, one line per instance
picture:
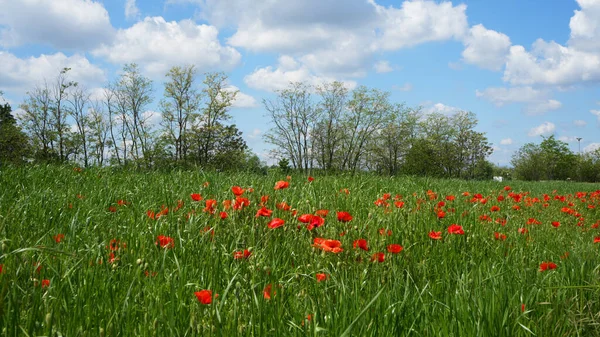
column 45, row 283
column 435, row 235
column 361, row 243
column 382, row 231
column 379, row 257
column 267, row 292
column 238, row 255
column 237, row 191
column 327, row 245
column 205, row 296
column 196, row 196
column 399, row 204
column 315, row 221
column 223, row 215
column 555, row 224
column 276, row 222
column 264, row 212
column 441, row 214
column 394, row 248
column 522, row 307
column 495, row 208
column 283, row 206
column 597, row 239
column 499, row 236
column 58, row 237
column 321, row 277
column 322, row 212
column 112, row 209
column 281, row 185
column 344, row 216
column 310, row 179
column 523, row 231
column 305, row 218
column 122, row 202
column 547, row 265
column 165, row 241
column 455, row 229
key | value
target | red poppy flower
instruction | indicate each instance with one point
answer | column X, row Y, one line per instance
column 547, row 265
column 205, row 296
column 399, row 204
column 321, row 277
column 112, row 209
column 58, row 237
column 495, row 208
column 281, row 185
column 435, row 235
column 533, row 221
column 45, row 283
column 322, row 212
column 267, row 292
column 379, row 257
column 441, row 214
column 555, row 224
column 315, row 221
column 283, row 206
column 382, row 231
column 523, row 307
column 264, row 212
column 209, row 206
column 394, row 248
column 507, row 188
column 327, row 245
column 360, row 243
column 196, row 196
column 1, row 268
column 165, row 241
column 122, row 203
column 523, row 231
column 499, row 236
column 239, row 254
column 240, row 203
column 223, row 215
column 112, row 258
column 305, row 218
column 456, row 229
column 276, row 222
column 597, row 239
column 344, row 216
column 310, row 179
column 237, row 191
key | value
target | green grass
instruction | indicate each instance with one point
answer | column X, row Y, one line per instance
column 463, row 285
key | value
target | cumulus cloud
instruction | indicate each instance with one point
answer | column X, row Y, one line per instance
column 242, row 100
column 591, row 147
column 383, row 67
column 585, row 26
column 506, row 141
column 157, row 45
column 536, row 101
column 486, row 48
column 20, row 75
column 288, row 70
column 440, row 108
column 64, row 24
column 544, row 129
column 131, row 10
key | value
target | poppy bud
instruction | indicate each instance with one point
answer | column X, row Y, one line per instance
column 139, row 261
column 101, row 332
column 48, row 318
column 4, row 246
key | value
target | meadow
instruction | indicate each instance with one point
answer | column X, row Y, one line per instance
column 104, row 252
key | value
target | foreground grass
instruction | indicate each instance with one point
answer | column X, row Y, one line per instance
column 462, row 285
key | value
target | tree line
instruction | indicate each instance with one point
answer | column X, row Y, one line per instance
column 331, row 128
column 61, row 122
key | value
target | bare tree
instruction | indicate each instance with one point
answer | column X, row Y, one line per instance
column 328, row 135
column 79, row 100
column 99, row 130
column 293, row 115
column 37, row 120
column 59, row 115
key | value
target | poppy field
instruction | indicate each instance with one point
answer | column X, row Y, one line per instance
column 109, row 253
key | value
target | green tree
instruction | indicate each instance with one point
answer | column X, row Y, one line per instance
column 14, row 144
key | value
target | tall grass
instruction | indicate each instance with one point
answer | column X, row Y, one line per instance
column 462, row 285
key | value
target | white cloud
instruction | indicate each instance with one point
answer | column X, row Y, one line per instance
column 20, row 75
column 242, row 100
column 70, row 24
column 486, row 48
column 288, row 70
column 536, row 101
column 158, row 45
column 591, row 147
column 405, row 87
column 585, row 26
column 255, row 133
column 383, row 67
column 544, row 129
column 596, row 113
column 506, row 141
column 131, row 10
column 418, row 22
column 152, row 118
column 440, row 108
column 579, row 123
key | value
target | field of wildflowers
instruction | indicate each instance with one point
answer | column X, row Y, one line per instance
column 110, row 253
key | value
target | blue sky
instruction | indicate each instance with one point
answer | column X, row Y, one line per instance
column 526, row 68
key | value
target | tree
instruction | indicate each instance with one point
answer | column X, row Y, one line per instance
column 78, row 100
column 59, row 115
column 99, row 131
column 14, row 145
column 180, row 109
column 550, row 160
column 528, row 162
column 327, row 134
column 293, row 116
column 37, row 122
column 218, row 101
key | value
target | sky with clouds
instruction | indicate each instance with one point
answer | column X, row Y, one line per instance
column 526, row 68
